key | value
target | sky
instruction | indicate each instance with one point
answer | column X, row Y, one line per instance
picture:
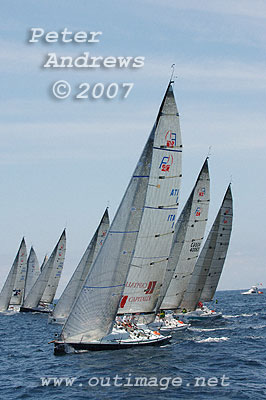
column 62, row 161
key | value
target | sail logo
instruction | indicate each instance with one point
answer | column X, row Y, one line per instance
column 123, row 301
column 166, row 163
column 198, row 211
column 174, row 192
column 202, row 192
column 170, row 138
column 151, row 287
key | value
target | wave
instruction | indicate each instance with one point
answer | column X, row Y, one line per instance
column 240, row 315
column 206, row 329
column 213, row 339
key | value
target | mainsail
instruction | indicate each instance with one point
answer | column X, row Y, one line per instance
column 64, row 304
column 185, row 249
column 7, row 290
column 50, row 290
column 95, row 308
column 54, row 262
column 19, row 285
column 33, row 271
column 155, row 236
column 214, row 252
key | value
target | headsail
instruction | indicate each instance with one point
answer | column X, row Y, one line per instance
column 19, row 285
column 214, row 252
column 33, row 271
column 154, row 239
column 56, row 259
column 185, row 249
column 7, row 290
column 64, row 304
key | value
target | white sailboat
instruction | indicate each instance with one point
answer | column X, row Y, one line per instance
column 189, row 232
column 12, row 291
column 43, row 291
column 90, row 325
column 64, row 304
column 33, row 271
column 254, row 290
column 209, row 266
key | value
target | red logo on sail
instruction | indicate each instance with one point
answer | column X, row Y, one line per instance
column 170, row 138
column 202, row 192
column 123, row 301
column 151, row 287
column 166, row 163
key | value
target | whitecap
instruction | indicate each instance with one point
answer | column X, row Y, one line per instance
column 213, row 339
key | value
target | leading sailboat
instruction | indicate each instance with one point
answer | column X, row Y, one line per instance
column 92, row 318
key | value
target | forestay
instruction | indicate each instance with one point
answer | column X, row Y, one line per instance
column 198, row 205
column 154, row 239
column 7, row 290
column 64, row 304
column 56, row 258
column 215, row 249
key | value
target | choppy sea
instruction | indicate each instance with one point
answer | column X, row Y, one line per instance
column 222, row 359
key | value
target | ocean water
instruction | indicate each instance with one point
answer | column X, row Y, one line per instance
column 219, row 359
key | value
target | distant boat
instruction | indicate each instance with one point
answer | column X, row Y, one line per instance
column 91, row 323
column 253, row 291
column 12, row 292
column 69, row 295
column 43, row 291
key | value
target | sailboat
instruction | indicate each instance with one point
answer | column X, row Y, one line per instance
column 33, row 271
column 43, row 291
column 91, row 322
column 12, row 292
column 64, row 304
column 189, row 233
column 253, row 290
column 150, row 259
column 209, row 266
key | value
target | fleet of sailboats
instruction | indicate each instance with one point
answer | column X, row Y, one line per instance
column 143, row 272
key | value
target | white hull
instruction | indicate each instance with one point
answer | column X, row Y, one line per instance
column 202, row 314
column 168, row 323
column 254, row 291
